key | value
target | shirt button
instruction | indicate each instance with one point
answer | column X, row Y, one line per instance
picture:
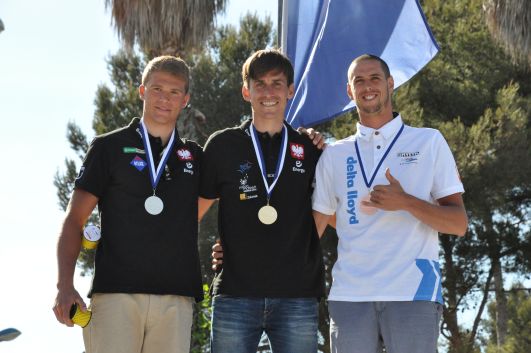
column 378, row 147
column 377, row 133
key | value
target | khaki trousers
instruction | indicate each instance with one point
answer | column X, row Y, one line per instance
column 139, row 323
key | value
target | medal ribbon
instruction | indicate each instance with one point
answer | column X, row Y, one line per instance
column 261, row 161
column 369, row 183
column 155, row 174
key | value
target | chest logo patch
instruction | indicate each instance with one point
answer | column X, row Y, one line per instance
column 245, row 167
column 408, row 157
column 246, row 191
column 296, row 150
column 189, row 168
column 184, row 155
column 133, row 150
column 138, row 163
column 298, row 167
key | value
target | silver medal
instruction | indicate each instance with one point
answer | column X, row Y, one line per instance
column 154, row 205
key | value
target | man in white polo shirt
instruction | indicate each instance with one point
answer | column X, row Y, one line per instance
column 392, row 188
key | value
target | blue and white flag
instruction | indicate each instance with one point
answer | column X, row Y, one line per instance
column 322, row 37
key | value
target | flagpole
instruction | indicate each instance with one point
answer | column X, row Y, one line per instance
column 279, row 23
column 282, row 25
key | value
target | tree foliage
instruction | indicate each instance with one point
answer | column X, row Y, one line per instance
column 519, row 325
column 164, row 26
column 217, row 78
column 508, row 22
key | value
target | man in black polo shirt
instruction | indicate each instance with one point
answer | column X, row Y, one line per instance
column 262, row 174
column 145, row 180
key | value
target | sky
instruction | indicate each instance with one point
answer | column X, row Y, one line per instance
column 52, row 58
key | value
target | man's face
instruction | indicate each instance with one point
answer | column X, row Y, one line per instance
column 369, row 88
column 164, row 97
column 268, row 95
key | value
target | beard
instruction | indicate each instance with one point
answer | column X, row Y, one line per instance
column 378, row 107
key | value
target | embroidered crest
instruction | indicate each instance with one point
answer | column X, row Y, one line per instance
column 296, row 150
column 184, row 154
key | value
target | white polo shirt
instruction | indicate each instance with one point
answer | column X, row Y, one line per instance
column 385, row 255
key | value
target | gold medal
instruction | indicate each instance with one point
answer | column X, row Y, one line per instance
column 267, row 214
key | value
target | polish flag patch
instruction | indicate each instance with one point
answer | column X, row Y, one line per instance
column 296, row 150
column 184, row 155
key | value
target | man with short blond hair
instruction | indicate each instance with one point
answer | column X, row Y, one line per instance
column 144, row 180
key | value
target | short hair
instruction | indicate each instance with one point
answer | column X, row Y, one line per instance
column 264, row 61
column 363, row 57
column 170, row 64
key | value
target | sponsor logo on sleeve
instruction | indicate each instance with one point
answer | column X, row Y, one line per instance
column 81, row 170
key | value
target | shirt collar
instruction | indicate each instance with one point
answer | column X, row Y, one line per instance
column 246, row 127
column 135, row 126
column 388, row 130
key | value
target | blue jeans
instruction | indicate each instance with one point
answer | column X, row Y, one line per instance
column 402, row 327
column 238, row 324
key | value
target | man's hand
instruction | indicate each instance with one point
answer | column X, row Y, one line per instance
column 388, row 197
column 316, row 137
column 217, row 256
column 63, row 302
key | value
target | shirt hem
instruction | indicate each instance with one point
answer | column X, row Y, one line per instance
column 196, row 295
column 458, row 189
column 324, row 210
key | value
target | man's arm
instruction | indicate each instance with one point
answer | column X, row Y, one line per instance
column 448, row 217
column 203, row 206
column 322, row 220
column 79, row 209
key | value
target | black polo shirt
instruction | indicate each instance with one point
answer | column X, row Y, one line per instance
column 140, row 252
column 281, row 260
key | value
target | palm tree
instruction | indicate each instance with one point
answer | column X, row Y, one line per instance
column 509, row 22
column 164, row 26
column 168, row 27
